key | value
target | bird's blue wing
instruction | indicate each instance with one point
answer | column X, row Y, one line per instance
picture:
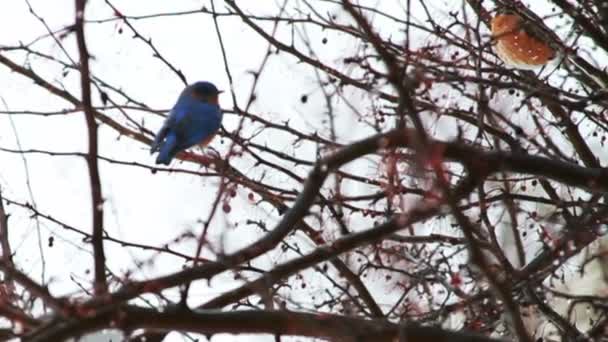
column 202, row 121
column 189, row 123
column 177, row 115
column 160, row 136
column 168, row 139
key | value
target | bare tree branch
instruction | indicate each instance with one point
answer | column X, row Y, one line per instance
column 95, row 183
column 335, row 327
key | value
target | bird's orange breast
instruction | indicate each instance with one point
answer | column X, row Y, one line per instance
column 517, row 47
column 207, row 140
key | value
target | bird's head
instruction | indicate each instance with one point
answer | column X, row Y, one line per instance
column 204, row 91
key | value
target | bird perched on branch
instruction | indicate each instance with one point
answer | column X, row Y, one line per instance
column 520, row 44
column 523, row 41
column 195, row 119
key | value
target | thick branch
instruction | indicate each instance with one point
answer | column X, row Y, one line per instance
column 96, row 199
column 318, row 325
column 34, row 288
column 7, row 254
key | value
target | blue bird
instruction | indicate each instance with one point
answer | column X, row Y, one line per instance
column 195, row 119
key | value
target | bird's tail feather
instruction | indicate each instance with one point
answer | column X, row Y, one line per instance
column 167, row 150
column 158, row 139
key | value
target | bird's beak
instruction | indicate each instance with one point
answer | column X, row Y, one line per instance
column 220, row 91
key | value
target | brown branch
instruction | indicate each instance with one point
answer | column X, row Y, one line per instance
column 318, row 325
column 17, row 316
column 35, row 289
column 7, row 254
column 100, row 285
